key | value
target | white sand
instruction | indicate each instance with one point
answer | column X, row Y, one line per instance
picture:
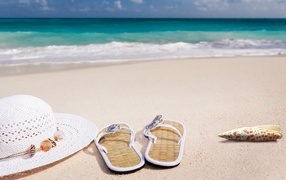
column 208, row 95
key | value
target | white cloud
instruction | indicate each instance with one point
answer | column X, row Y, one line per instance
column 106, row 3
column 118, row 4
column 138, row 1
column 84, row 9
column 205, row 5
column 242, row 7
column 153, row 9
column 24, row 2
column 109, row 9
column 42, row 3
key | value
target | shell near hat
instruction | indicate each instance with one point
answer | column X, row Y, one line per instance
column 24, row 120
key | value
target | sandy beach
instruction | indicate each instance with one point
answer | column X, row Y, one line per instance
column 208, row 96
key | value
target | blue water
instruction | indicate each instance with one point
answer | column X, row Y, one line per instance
column 78, row 40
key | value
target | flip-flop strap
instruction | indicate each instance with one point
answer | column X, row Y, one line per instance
column 112, row 129
column 158, row 122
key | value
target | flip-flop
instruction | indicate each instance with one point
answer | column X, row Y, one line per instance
column 255, row 133
column 166, row 142
column 116, row 145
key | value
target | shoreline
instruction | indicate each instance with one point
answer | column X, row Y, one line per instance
column 19, row 69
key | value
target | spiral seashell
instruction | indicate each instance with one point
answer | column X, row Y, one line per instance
column 32, row 150
column 256, row 133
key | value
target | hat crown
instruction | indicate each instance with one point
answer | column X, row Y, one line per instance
column 24, row 120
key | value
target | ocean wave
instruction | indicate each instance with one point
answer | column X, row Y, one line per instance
column 42, row 39
column 248, row 44
column 128, row 51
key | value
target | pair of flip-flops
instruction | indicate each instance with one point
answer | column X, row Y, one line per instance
column 165, row 147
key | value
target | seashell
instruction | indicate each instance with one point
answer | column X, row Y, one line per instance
column 256, row 133
column 59, row 135
column 54, row 144
column 32, row 150
column 46, row 145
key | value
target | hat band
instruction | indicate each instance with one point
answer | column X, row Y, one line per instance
column 45, row 146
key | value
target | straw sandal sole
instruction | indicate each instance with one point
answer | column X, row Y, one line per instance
column 120, row 156
column 166, row 151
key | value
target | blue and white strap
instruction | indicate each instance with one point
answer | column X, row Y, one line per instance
column 112, row 129
column 158, row 122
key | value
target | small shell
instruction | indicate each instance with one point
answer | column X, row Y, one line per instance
column 46, row 145
column 59, row 135
column 32, row 150
column 54, row 144
column 256, row 133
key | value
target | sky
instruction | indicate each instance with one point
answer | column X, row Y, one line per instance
column 144, row 8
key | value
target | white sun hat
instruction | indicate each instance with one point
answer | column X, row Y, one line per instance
column 26, row 123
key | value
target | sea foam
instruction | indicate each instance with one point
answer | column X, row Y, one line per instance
column 131, row 51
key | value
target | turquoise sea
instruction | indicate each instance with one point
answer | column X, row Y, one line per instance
column 34, row 41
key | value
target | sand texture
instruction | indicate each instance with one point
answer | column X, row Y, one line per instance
column 208, row 96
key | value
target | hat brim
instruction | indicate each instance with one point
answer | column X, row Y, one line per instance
column 78, row 131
